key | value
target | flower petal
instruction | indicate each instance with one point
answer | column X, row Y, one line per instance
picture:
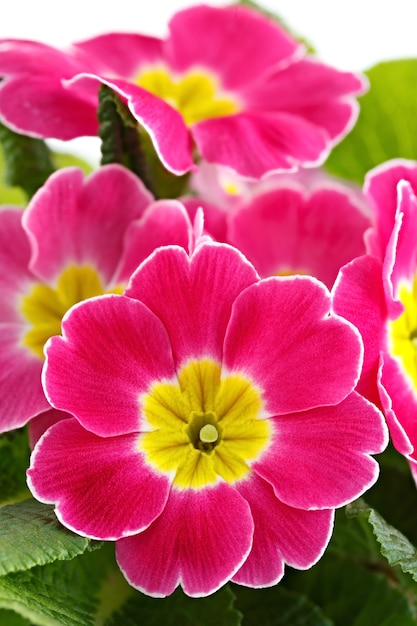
column 193, row 296
column 72, row 220
column 282, row 336
column 285, row 230
column 358, row 296
column 101, row 486
column 277, row 141
column 283, row 535
column 164, row 124
column 20, row 379
column 120, row 54
column 236, row 43
column 381, row 189
column 164, row 222
column 54, row 111
column 112, row 350
column 320, row 459
column 200, row 540
column 15, row 277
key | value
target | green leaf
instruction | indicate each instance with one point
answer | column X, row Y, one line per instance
column 31, row 535
column 63, row 159
column 27, row 161
column 10, row 618
column 124, row 141
column 353, row 583
column 394, row 495
column 14, row 460
column 60, row 593
column 352, row 595
column 277, row 607
column 215, row 610
column 397, row 549
column 387, row 124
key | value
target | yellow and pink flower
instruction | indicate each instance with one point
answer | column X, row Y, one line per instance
column 77, row 239
column 215, row 427
column 227, row 81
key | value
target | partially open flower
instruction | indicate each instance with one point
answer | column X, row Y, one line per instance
column 215, row 424
column 378, row 294
column 77, row 239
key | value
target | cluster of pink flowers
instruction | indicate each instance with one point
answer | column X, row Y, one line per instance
column 206, row 378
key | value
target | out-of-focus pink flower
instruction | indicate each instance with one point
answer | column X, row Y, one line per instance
column 227, row 80
column 77, row 239
column 301, row 223
column 378, row 294
column 215, row 424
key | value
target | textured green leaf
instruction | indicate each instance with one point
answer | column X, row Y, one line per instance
column 14, row 460
column 350, row 594
column 387, row 124
column 60, row 593
column 277, row 607
column 27, row 161
column 353, row 583
column 216, row 610
column 394, row 495
column 30, row 535
column 397, row 549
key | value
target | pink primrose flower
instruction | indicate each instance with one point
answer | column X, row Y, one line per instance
column 378, row 294
column 301, row 223
column 77, row 239
column 227, row 80
column 215, row 424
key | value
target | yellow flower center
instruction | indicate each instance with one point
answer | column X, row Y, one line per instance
column 196, row 95
column 403, row 332
column 45, row 306
column 203, row 427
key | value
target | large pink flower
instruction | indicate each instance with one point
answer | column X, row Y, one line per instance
column 222, row 74
column 78, row 238
column 215, row 424
column 378, row 294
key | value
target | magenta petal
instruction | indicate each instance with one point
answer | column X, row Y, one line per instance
column 193, row 297
column 101, row 486
column 54, row 110
column 320, row 459
column 283, row 535
column 39, row 424
column 164, row 124
column 120, row 54
column 199, row 541
column 300, row 356
column 83, row 221
column 315, row 92
column 20, row 379
column 403, row 247
column 273, row 141
column 15, row 277
column 236, row 43
column 113, row 349
column 164, row 222
column 399, row 402
column 381, row 189
column 284, row 230
column 359, row 297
